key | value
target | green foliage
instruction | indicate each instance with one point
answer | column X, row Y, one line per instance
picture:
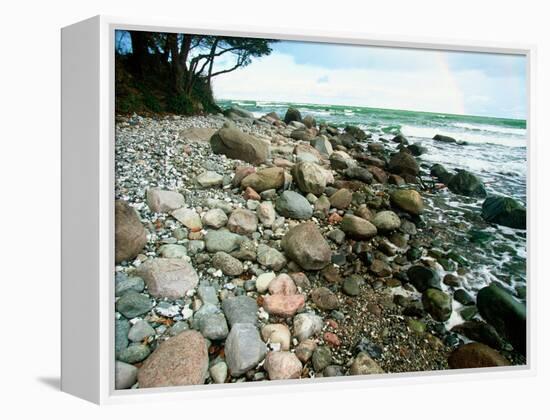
column 179, row 104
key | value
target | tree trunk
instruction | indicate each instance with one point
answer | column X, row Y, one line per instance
column 211, row 64
column 139, row 51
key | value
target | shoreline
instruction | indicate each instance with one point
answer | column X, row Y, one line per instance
column 372, row 315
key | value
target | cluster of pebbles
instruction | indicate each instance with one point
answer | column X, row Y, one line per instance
column 260, row 249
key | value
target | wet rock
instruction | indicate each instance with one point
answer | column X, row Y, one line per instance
column 475, row 355
column 357, row 227
column 404, row 163
column 305, row 245
column 134, row 304
column 292, row 114
column 277, row 334
column 386, row 221
column 356, row 132
column 168, row 278
column 163, row 201
column 462, row 296
column 130, row 235
column 309, row 177
column 265, row 179
column 229, row 265
column 125, row 375
column 270, row 257
column 507, row 314
column 307, row 325
column 240, row 310
column 324, row 298
column 441, row 173
column 504, row 211
column 416, row 149
column 215, row 218
column 283, row 306
column 408, row 200
column 481, row 332
column 438, row 304
column 341, row 199
column 423, row 278
column 444, row 139
column 235, row 144
column 293, row 205
column 180, row 360
column 282, row 365
column 364, row 365
column 243, row 349
column 222, row 240
column 466, row 183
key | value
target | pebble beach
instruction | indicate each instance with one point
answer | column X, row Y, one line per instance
column 253, row 248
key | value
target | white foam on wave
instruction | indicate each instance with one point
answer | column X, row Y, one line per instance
column 491, row 128
column 479, row 136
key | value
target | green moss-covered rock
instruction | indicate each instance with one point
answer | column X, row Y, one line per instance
column 438, row 304
column 466, row 183
column 504, row 211
column 507, row 314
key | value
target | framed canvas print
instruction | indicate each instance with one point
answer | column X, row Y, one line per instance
column 260, row 211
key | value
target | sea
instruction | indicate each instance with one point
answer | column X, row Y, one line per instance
column 495, row 149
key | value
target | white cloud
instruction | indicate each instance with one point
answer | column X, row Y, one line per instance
column 431, row 86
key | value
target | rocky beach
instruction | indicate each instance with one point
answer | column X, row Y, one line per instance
column 263, row 247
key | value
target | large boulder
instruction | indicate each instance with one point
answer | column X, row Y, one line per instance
column 164, row 201
column 404, row 163
column 305, row 245
column 168, row 278
column 265, row 179
column 244, row 349
column 476, row 355
column 504, row 211
column 508, row 315
column 234, row 143
column 423, row 278
column 441, row 173
column 356, row 132
column 466, row 183
column 180, row 360
column 310, row 177
column 292, row 114
column 357, row 227
column 293, row 205
column 130, row 235
column 408, row 200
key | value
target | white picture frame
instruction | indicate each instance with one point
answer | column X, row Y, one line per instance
column 88, row 212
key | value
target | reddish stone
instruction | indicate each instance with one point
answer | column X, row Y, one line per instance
column 282, row 285
column 379, row 174
column 332, row 324
column 250, row 194
column 242, row 172
column 332, row 339
column 283, row 306
column 334, row 219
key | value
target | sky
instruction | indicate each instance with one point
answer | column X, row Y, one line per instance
column 408, row 79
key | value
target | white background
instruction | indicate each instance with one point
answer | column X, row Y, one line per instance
column 29, row 209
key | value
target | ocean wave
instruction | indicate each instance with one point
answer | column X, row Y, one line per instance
column 477, row 137
column 491, row 128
